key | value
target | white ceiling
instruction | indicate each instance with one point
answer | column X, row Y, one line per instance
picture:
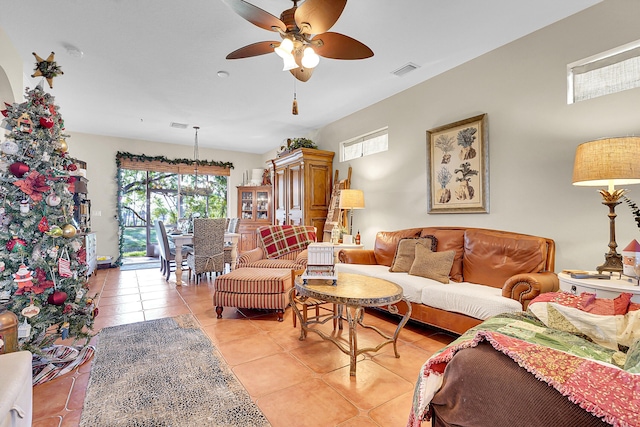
column 148, row 63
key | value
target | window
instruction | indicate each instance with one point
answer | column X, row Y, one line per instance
column 370, row 143
column 603, row 74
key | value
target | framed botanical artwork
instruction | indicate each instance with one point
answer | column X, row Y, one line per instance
column 458, row 167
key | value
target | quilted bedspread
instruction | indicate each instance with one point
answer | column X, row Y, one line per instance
column 601, row 380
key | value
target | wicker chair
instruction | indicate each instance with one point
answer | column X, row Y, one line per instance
column 232, row 227
column 167, row 254
column 208, row 247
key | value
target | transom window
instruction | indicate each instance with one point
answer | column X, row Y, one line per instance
column 364, row 145
column 609, row 72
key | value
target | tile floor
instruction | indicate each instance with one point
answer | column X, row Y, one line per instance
column 295, row 383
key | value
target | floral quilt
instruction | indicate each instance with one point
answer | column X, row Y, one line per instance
column 600, row 380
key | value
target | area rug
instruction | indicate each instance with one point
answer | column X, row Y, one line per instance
column 163, row 373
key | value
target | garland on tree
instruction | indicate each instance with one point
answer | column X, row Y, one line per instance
column 42, row 258
column 143, row 158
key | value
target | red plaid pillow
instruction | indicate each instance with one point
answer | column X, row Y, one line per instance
column 278, row 240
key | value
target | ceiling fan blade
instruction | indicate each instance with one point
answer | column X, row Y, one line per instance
column 254, row 49
column 255, row 15
column 339, row 46
column 317, row 16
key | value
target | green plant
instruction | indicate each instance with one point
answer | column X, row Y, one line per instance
column 295, row 143
column 634, row 209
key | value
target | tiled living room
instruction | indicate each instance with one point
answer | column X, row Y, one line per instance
column 471, row 128
column 301, row 383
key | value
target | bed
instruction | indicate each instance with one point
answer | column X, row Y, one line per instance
column 570, row 360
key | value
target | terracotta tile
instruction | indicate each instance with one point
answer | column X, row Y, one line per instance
column 289, row 338
column 322, row 357
column 359, row 422
column 118, row 299
column 292, row 407
column 229, row 329
column 50, row 398
column 52, row 421
column 118, row 291
column 159, row 313
column 394, row 413
column 129, row 307
column 371, row 386
column 121, row 319
column 407, row 365
column 78, row 391
column 271, row 373
column 433, row 342
column 71, row 419
column 248, row 348
column 162, row 301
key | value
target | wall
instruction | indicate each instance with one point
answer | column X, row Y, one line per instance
column 533, row 135
column 10, row 71
column 100, row 153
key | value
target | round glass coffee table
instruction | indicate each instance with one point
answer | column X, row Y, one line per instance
column 352, row 293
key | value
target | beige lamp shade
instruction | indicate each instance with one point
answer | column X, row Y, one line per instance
column 608, row 162
column 351, row 199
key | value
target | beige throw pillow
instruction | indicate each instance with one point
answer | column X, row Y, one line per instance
column 405, row 252
column 432, row 265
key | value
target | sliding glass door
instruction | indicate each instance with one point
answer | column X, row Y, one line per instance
column 148, row 196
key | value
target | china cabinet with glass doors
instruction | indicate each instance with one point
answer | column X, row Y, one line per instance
column 254, row 210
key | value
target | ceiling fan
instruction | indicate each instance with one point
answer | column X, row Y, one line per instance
column 304, row 33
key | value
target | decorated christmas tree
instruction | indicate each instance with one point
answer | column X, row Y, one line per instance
column 42, row 258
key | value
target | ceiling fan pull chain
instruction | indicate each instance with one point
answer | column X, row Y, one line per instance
column 294, row 108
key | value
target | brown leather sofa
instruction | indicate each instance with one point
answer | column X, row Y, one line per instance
column 521, row 265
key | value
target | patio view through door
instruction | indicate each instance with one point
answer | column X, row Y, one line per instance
column 174, row 198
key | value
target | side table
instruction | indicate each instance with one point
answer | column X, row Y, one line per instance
column 353, row 293
column 603, row 288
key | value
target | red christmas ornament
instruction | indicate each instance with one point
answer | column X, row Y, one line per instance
column 43, row 225
column 57, row 298
column 72, row 167
column 5, row 113
column 18, row 169
column 16, row 244
column 46, row 122
column 95, row 312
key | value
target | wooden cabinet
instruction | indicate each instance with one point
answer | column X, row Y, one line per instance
column 302, row 181
column 254, row 210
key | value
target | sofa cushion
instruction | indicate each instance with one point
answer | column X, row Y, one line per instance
column 450, row 238
column 432, row 265
column 386, row 243
column 406, row 251
column 491, row 257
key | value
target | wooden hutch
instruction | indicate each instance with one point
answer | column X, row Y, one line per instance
column 302, row 183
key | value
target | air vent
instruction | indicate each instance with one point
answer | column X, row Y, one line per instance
column 407, row 68
column 179, row 125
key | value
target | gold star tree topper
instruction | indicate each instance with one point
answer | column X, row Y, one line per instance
column 47, row 68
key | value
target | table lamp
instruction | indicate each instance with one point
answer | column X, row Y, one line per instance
column 609, row 162
column 351, row 199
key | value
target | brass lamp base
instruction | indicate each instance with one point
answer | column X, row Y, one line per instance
column 612, row 263
column 612, row 259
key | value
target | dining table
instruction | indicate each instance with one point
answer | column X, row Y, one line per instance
column 182, row 239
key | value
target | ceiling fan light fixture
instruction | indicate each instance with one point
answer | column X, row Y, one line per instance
column 310, row 59
column 284, row 49
column 289, row 63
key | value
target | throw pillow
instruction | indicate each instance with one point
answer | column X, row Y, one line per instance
column 432, row 265
column 405, row 252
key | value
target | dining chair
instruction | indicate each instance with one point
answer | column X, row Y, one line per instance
column 208, row 247
column 233, row 224
column 167, row 254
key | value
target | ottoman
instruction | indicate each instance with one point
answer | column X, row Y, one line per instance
column 265, row 288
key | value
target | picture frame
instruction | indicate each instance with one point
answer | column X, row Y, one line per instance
column 458, row 167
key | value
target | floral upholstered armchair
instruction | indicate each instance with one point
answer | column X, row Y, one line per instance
column 280, row 246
